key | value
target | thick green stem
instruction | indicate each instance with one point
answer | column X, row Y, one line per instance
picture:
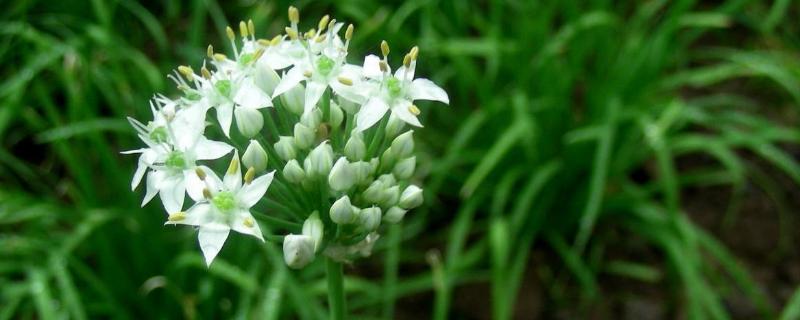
column 335, row 289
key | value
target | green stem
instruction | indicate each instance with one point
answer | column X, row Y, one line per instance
column 335, row 289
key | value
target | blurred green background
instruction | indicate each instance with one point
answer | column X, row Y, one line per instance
column 600, row 159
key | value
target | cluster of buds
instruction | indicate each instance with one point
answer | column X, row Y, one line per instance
column 329, row 136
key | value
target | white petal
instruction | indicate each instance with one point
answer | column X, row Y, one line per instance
column 371, row 113
column 255, row 190
column 154, row 179
column 244, row 223
column 172, row 190
column 197, row 215
column 290, row 80
column 402, row 74
column 400, row 110
column 195, row 186
column 209, row 150
column 251, row 96
column 233, row 180
column 424, row 89
column 314, row 91
column 211, row 238
column 225, row 117
column 372, row 68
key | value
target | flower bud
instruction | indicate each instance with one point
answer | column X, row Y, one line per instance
column 249, row 121
column 388, row 158
column 362, row 171
column 394, row 126
column 298, row 250
column 404, row 169
column 293, row 172
column 390, row 196
column 403, row 145
column 374, row 163
column 411, row 197
column 313, row 228
column 374, row 193
column 319, row 160
column 349, row 106
column 303, row 136
column 295, row 99
column 369, row 218
column 342, row 176
column 355, row 149
column 387, row 179
column 342, row 211
column 285, row 148
column 336, row 115
column 265, row 77
column 255, row 157
column 394, row 215
column 312, row 119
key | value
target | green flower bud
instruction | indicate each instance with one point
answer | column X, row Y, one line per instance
column 298, row 250
column 314, row 228
column 362, row 172
column 411, row 197
column 388, row 157
column 336, row 115
column 255, row 157
column 404, row 169
column 355, row 149
column 293, row 172
column 369, row 219
column 390, row 196
column 249, row 121
column 285, row 148
column 303, row 136
column 266, row 78
column 394, row 215
column 349, row 106
column 374, row 193
column 342, row 176
column 342, row 211
column 394, row 126
column 374, row 163
column 403, row 145
column 312, row 119
column 319, row 160
column 294, row 99
column 387, row 179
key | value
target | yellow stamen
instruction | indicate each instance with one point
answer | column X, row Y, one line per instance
column 206, row 74
column 346, row 81
column 249, row 175
column 234, row 166
column 186, row 72
column 323, row 23
column 207, row 194
column 407, row 60
column 294, row 15
column 384, row 48
column 251, row 27
column 291, row 33
column 321, row 38
column 248, row 222
column 230, row 33
column 220, row 57
column 414, row 53
column 349, row 33
column 275, row 40
column 383, row 66
column 243, row 29
column 177, row 216
column 200, row 173
column 413, row 109
column 210, row 51
column 307, row 74
column 264, row 42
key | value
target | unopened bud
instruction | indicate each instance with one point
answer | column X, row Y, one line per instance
column 293, row 172
column 411, row 197
column 303, row 136
column 394, row 126
column 312, row 119
column 342, row 211
column 362, row 171
column 298, row 250
column 294, row 99
column 355, row 149
column 374, row 193
column 255, row 156
column 342, row 176
column 319, row 160
column 285, row 148
column 387, row 179
column 266, row 78
column 313, row 228
column 249, row 121
column 390, row 196
column 403, row 145
column 394, row 215
column 336, row 115
column 404, row 169
column 369, row 219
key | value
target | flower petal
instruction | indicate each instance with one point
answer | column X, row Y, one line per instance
column 225, row 117
column 172, row 190
column 251, row 96
column 195, row 186
column 314, row 91
column 405, row 74
column 244, row 223
column 255, row 190
column 372, row 67
column 290, row 80
column 154, row 179
column 424, row 89
column 212, row 237
column 371, row 113
column 209, row 150
column 197, row 215
column 401, row 110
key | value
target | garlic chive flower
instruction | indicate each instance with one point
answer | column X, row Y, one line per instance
column 301, row 108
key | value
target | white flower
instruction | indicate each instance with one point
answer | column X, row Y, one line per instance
column 228, row 92
column 222, row 205
column 172, row 151
column 396, row 93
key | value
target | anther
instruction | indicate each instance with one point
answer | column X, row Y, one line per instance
column 200, row 174
column 210, row 51
column 384, row 48
column 294, row 15
column 349, row 33
column 345, row 81
column 413, row 109
column 243, row 29
column 383, row 66
column 249, row 175
column 275, row 40
column 323, row 23
column 220, row 57
column 177, row 216
column 307, row 74
column 248, row 222
column 230, row 33
column 206, row 74
column 251, row 27
column 291, row 33
column 263, row 42
column 414, row 53
column 234, row 166
column 207, row 193
column 186, row 72
column 407, row 60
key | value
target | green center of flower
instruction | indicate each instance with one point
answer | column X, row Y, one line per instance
column 246, row 58
column 224, row 201
column 193, row 95
column 394, row 87
column 224, row 87
column 159, row 135
column 176, row 160
column 325, row 65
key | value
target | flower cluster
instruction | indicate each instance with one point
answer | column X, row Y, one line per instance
column 330, row 137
